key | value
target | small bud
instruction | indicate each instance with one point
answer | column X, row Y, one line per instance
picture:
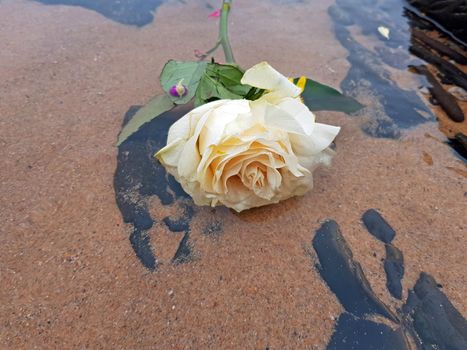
column 178, row 90
column 215, row 14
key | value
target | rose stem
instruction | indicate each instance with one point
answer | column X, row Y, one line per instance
column 223, row 37
column 224, row 31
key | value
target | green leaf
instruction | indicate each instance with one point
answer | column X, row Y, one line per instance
column 189, row 73
column 211, row 90
column 320, row 97
column 145, row 114
column 222, row 81
column 229, row 76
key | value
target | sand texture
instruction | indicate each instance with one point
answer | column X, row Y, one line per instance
column 70, row 277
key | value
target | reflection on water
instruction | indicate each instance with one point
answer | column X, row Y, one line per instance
column 369, row 75
column 379, row 66
column 131, row 12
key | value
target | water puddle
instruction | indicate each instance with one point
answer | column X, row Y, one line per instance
column 380, row 67
column 130, row 12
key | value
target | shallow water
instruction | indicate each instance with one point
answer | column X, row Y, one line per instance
column 101, row 241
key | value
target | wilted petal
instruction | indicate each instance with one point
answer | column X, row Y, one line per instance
column 300, row 112
column 180, row 129
column 189, row 160
column 263, row 76
column 170, row 154
column 213, row 130
column 320, row 139
column 281, row 119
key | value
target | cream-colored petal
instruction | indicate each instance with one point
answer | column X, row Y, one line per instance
column 320, row 139
column 281, row 119
column 263, row 76
column 180, row 129
column 299, row 112
column 185, row 126
column 201, row 110
column 170, row 154
column 241, row 123
column 274, row 178
column 189, row 160
column 194, row 190
column 284, row 149
column 219, row 118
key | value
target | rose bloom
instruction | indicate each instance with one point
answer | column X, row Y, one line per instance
column 246, row 154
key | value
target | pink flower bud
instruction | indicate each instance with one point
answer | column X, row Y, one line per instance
column 178, row 90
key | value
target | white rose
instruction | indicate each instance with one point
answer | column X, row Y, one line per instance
column 246, row 154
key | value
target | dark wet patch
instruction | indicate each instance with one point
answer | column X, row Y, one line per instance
column 377, row 226
column 129, row 12
column 141, row 245
column 433, row 317
column 428, row 317
column 346, row 279
column 182, row 223
column 214, row 229
column 184, row 252
column 355, row 333
column 394, row 268
column 392, row 57
column 344, row 276
column 139, row 176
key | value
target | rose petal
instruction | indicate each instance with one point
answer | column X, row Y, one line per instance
column 282, row 119
column 213, row 130
column 320, row 139
column 263, row 76
column 189, row 160
column 170, row 154
column 299, row 112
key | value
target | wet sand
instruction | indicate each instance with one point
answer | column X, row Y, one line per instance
column 69, row 276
